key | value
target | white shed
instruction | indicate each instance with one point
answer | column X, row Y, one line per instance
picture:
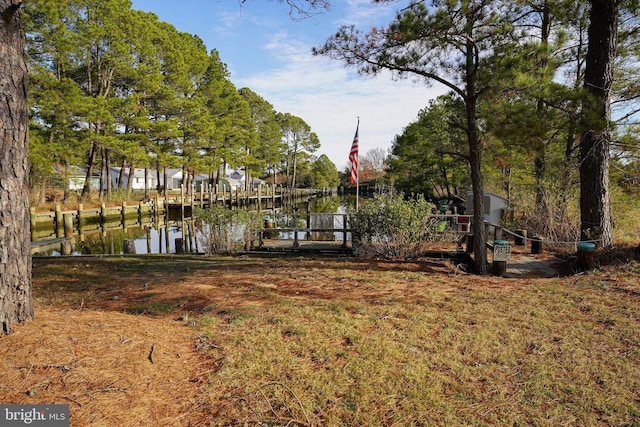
column 494, row 207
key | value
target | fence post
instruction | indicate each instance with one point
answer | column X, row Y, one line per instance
column 521, row 238
column 586, row 255
column 59, row 224
column 536, row 245
column 129, row 246
column 308, row 220
column 124, row 215
column 344, row 230
column 498, row 233
column 34, row 224
column 501, row 252
column 68, row 225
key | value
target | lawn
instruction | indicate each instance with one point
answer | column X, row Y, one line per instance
column 162, row 340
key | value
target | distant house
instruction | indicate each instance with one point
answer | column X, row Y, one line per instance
column 236, row 179
column 77, row 177
column 138, row 178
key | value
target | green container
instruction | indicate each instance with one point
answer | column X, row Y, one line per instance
column 586, row 246
column 500, row 243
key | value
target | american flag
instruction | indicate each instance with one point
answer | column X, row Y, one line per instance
column 353, row 157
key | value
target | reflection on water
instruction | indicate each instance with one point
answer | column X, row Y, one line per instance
column 147, row 240
column 152, row 238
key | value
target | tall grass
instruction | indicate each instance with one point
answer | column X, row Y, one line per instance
column 223, row 230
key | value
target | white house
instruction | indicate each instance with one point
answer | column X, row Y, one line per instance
column 138, row 178
column 236, row 179
column 77, row 177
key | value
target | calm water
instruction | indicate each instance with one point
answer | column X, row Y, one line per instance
column 161, row 240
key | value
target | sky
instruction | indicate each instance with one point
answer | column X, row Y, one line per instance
column 270, row 53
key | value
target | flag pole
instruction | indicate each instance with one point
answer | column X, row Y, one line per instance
column 353, row 157
column 358, row 167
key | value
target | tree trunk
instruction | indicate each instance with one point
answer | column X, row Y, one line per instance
column 122, row 174
column 475, row 157
column 132, row 172
column 15, row 237
column 540, row 161
column 595, row 198
column 86, row 190
column 101, row 190
column 109, row 175
column 65, row 178
column 166, row 183
column 147, row 195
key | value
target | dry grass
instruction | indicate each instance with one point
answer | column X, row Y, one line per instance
column 306, row 341
column 111, row 368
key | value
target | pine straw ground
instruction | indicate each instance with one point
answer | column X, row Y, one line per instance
column 177, row 341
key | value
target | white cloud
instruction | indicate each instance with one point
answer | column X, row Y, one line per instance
column 359, row 12
column 330, row 98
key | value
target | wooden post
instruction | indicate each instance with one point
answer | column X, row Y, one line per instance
column 59, row 224
column 103, row 213
column 80, row 222
column 182, row 201
column 66, row 247
column 129, row 246
column 344, row 230
column 536, row 245
column 201, row 194
column 34, row 224
column 273, row 197
column 80, row 213
column 498, row 233
column 68, row 225
column 124, row 216
column 308, row 220
column 501, row 252
column 521, row 238
column 586, row 255
column 296, row 243
column 179, row 245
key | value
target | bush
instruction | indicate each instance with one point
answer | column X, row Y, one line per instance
column 221, row 230
column 392, row 227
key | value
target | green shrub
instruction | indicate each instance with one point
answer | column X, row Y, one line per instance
column 392, row 226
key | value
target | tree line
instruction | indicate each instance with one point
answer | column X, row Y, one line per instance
column 529, row 81
column 113, row 86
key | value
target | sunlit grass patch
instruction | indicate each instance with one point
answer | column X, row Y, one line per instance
column 349, row 342
column 545, row 354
